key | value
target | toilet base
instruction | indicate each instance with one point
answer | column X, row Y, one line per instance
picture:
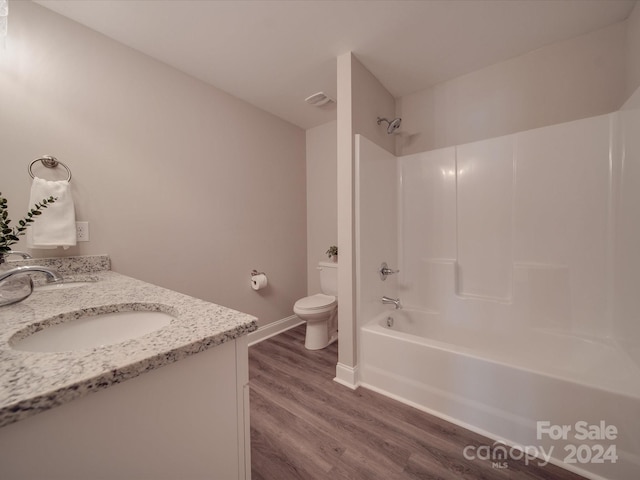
column 317, row 336
column 322, row 331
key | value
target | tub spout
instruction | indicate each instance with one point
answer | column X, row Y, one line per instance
column 394, row 301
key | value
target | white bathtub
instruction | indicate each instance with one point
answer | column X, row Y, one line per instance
column 501, row 382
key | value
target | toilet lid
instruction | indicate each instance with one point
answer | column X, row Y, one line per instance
column 315, row 302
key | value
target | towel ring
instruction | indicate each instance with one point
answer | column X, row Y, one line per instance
column 49, row 162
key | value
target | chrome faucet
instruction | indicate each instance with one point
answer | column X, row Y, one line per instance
column 15, row 292
column 52, row 274
column 392, row 301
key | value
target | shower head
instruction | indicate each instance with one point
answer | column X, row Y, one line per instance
column 392, row 125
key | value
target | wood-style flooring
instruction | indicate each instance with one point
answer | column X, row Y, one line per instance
column 306, row 426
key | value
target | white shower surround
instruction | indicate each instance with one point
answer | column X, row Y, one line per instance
column 526, row 241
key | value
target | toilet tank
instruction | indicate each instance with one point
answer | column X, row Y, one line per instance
column 328, row 278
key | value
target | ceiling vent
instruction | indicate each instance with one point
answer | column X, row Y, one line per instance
column 319, row 99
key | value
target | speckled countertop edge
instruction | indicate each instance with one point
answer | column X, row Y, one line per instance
column 34, row 382
column 67, row 265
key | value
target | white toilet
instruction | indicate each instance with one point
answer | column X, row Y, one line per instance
column 320, row 311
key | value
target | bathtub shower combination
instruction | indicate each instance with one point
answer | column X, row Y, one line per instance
column 520, row 281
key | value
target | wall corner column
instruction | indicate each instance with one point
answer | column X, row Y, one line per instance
column 347, row 345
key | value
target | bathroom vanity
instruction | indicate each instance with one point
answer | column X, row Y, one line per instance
column 170, row 403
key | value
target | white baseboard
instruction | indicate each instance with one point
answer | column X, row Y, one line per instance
column 347, row 376
column 273, row 328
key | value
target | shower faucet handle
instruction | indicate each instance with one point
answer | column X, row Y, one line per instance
column 386, row 271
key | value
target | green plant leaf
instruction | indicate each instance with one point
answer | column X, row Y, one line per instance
column 11, row 235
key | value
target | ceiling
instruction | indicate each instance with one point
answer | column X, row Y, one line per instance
column 273, row 54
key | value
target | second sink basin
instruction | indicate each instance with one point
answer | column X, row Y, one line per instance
column 93, row 330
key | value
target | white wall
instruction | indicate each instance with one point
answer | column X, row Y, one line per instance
column 428, row 211
column 345, row 371
column 514, row 229
column 370, row 101
column 554, row 208
column 183, row 185
column 577, row 78
column 627, row 259
column 322, row 198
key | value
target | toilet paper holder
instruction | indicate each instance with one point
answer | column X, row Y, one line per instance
column 258, row 280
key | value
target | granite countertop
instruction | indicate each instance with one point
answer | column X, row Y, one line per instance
column 32, row 382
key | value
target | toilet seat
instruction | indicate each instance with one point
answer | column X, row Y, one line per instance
column 315, row 303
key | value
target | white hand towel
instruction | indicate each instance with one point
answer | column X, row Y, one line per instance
column 56, row 227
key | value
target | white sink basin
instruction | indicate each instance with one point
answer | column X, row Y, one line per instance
column 92, row 331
